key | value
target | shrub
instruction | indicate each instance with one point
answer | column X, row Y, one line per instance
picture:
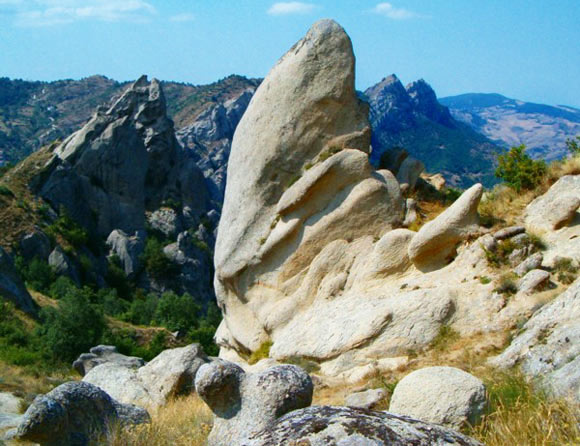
column 262, row 352
column 506, row 285
column 37, row 274
column 68, row 229
column 566, row 270
column 142, row 309
column 156, row 262
column 5, row 191
column 61, row 287
column 573, row 145
column 520, row 171
column 177, row 312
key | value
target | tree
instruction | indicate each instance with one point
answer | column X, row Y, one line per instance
column 520, row 171
column 573, row 145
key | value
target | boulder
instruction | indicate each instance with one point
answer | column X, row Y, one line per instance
column 389, row 255
column 411, row 212
column 35, row 244
column 128, row 248
column 346, row 426
column 172, row 372
column 167, row 221
column 75, row 414
column 442, row 395
column 532, row 262
column 367, row 399
column 11, row 286
column 556, row 208
column 392, row 159
column 548, row 346
column 508, row 232
column 436, row 241
column 63, row 265
column 436, row 180
column 534, row 280
column 245, row 404
column 102, row 354
column 9, row 403
column 410, row 171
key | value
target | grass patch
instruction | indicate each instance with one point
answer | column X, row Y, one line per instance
column 506, row 285
column 306, row 364
column 262, row 352
column 565, row 270
column 446, row 336
column 484, row 280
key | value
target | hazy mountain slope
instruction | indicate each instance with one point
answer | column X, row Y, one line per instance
column 509, row 122
column 411, row 117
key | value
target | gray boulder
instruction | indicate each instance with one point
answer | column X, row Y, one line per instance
column 167, row 221
column 548, row 347
column 442, row 395
column 367, row 399
column 35, row 244
column 102, row 354
column 11, row 286
column 534, row 280
column 410, row 171
column 75, row 414
column 532, row 262
column 128, row 248
column 509, row 232
column 435, row 243
column 556, row 208
column 347, row 426
column 244, row 404
column 63, row 265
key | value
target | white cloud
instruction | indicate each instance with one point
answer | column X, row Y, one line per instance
column 58, row 12
column 285, row 8
column 185, row 17
column 392, row 12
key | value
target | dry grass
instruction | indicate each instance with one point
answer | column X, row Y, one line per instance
column 183, row 422
column 26, row 384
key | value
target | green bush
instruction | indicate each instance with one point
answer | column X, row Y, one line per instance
column 520, row 171
column 68, row 229
column 60, row 287
column 117, row 279
column 142, row 309
column 5, row 191
column 156, row 262
column 72, row 328
column 37, row 274
column 177, row 312
column 573, row 145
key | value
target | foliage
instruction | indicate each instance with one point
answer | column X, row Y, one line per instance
column 156, row 262
column 177, row 313
column 68, row 229
column 73, row 328
column 117, row 278
column 565, row 269
column 506, row 285
column 6, row 191
column 262, row 352
column 519, row 170
column 126, row 342
column 484, row 280
column 61, row 286
column 142, row 309
column 17, row 345
column 573, row 145
column 37, row 274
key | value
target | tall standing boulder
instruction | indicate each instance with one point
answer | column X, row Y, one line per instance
column 299, row 180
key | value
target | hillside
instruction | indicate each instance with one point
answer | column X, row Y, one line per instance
column 511, row 122
column 33, row 114
column 412, row 118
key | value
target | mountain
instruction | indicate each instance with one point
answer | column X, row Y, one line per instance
column 510, row 122
column 411, row 117
column 34, row 114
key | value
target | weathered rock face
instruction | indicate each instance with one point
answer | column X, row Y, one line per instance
column 556, row 208
column 63, row 265
column 130, row 381
column 299, row 182
column 549, row 345
column 11, row 286
column 35, row 244
column 128, row 249
column 102, row 354
column 122, row 162
column 247, row 403
column 75, row 414
column 338, row 426
column 442, row 395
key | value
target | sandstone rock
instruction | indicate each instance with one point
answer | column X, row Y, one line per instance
column 410, row 171
column 11, row 286
column 172, row 372
column 411, row 212
column 63, row 265
column 389, row 255
column 436, row 241
column 442, row 395
column 556, row 208
column 75, row 414
column 128, row 248
column 549, row 345
column 533, row 281
column 436, row 180
column 121, row 383
column 245, row 404
column 367, row 399
column 35, row 244
column 509, row 232
column 102, row 354
column 342, row 426
column 9, row 403
column 532, row 262
column 167, row 221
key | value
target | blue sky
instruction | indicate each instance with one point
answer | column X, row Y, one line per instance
column 524, row 49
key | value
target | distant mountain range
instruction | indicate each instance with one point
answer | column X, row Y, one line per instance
column 509, row 122
column 412, row 118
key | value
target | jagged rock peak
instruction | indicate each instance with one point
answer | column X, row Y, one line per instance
column 425, row 101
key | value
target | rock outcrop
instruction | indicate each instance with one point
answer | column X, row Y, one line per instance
column 169, row 374
column 11, row 286
column 442, row 395
column 368, row 399
column 102, row 354
column 269, row 408
column 245, row 404
column 128, row 248
column 548, row 347
column 75, row 414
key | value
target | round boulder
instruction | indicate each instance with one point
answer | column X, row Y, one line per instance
column 442, row 395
